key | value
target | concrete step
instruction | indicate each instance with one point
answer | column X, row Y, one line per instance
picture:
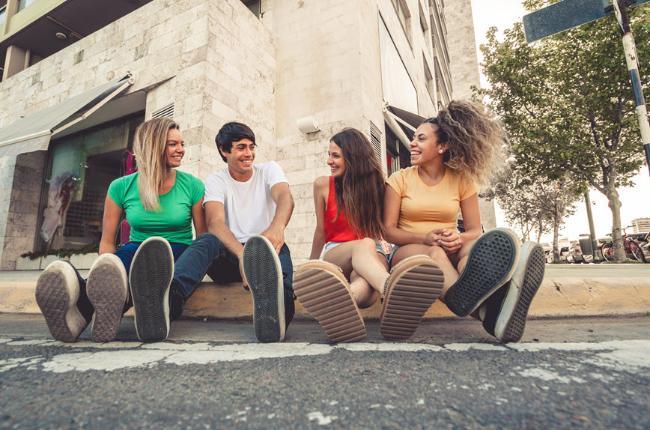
column 567, row 291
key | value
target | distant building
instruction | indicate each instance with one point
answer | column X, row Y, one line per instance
column 79, row 75
column 641, row 225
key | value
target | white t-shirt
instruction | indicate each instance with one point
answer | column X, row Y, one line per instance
column 249, row 206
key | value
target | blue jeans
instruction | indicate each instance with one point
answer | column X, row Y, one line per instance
column 125, row 253
column 207, row 255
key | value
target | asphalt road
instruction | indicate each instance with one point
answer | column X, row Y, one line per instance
column 591, row 373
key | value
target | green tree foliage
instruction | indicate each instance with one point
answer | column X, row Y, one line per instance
column 532, row 205
column 567, row 104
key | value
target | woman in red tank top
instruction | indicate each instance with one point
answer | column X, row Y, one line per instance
column 353, row 269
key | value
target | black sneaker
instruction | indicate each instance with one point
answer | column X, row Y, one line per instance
column 490, row 265
column 264, row 275
column 504, row 313
column 106, row 288
column 57, row 292
column 150, row 276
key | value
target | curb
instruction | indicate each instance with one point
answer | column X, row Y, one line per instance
column 562, row 294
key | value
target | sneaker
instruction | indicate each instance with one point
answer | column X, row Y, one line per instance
column 412, row 287
column 150, row 277
column 107, row 291
column 264, row 275
column 325, row 293
column 57, row 292
column 490, row 265
column 504, row 313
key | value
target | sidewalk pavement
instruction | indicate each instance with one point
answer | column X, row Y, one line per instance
column 567, row 291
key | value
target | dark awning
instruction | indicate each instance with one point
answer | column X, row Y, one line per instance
column 33, row 132
column 410, row 118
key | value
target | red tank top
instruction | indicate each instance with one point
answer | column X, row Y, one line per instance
column 339, row 230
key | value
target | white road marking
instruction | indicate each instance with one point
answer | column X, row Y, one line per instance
column 478, row 346
column 12, row 363
column 321, row 419
column 547, row 375
column 630, row 356
column 389, row 347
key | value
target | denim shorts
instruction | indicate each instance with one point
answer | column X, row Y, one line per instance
column 382, row 247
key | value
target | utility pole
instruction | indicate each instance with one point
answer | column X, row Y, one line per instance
column 620, row 9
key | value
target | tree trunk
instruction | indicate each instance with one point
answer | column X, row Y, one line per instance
column 556, row 245
column 614, row 204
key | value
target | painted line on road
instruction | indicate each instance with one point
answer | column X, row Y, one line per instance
column 630, row 355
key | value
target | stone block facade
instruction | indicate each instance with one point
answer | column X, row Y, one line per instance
column 213, row 60
column 217, row 62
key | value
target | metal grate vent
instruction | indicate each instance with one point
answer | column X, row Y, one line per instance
column 375, row 139
column 165, row 112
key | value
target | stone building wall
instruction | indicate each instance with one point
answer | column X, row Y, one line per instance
column 213, row 60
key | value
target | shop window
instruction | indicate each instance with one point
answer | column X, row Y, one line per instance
column 22, row 4
column 81, row 167
column 404, row 15
column 3, row 14
column 398, row 156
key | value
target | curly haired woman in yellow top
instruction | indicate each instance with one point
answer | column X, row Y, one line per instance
column 488, row 275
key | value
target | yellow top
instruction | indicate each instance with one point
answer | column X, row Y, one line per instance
column 423, row 207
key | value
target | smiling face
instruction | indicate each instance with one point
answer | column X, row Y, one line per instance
column 425, row 147
column 174, row 148
column 335, row 160
column 240, row 159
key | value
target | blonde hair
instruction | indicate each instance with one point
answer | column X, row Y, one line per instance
column 149, row 147
column 475, row 139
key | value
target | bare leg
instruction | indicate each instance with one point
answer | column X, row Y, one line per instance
column 437, row 254
column 362, row 292
column 462, row 255
column 361, row 256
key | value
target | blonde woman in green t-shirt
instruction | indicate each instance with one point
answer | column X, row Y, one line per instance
column 160, row 204
column 488, row 275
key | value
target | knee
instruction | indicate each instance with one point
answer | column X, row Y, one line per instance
column 437, row 254
column 207, row 238
column 367, row 244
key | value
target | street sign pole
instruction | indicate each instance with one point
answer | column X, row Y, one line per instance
column 620, row 9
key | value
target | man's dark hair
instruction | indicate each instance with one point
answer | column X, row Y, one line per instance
column 232, row 132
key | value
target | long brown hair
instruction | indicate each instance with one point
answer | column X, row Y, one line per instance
column 360, row 190
column 149, row 146
column 475, row 139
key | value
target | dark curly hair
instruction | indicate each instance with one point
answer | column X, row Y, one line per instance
column 475, row 139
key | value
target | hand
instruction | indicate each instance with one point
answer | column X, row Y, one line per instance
column 275, row 235
column 434, row 237
column 241, row 270
column 451, row 241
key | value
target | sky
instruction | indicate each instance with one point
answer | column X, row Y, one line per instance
column 636, row 202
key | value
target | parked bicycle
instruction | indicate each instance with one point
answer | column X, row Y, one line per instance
column 633, row 247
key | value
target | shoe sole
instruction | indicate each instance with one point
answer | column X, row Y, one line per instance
column 490, row 265
column 150, row 276
column 414, row 284
column 57, row 292
column 107, row 291
column 524, row 285
column 264, row 275
column 323, row 291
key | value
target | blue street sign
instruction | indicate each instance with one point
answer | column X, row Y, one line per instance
column 565, row 15
column 562, row 16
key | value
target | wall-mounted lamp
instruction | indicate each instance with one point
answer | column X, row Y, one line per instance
column 308, row 125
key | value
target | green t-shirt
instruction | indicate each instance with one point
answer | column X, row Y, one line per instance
column 174, row 219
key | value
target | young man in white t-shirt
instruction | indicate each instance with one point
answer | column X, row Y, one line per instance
column 247, row 208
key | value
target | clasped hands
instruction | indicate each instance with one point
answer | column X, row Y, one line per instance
column 447, row 239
